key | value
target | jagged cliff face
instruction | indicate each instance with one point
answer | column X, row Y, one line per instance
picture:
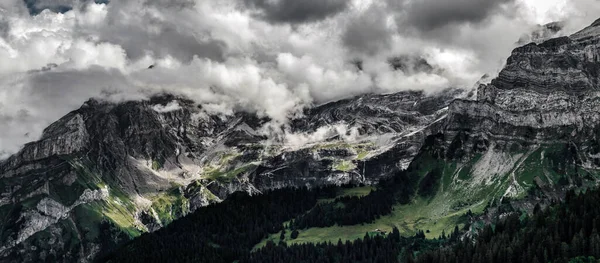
column 536, row 125
column 547, row 93
column 108, row 172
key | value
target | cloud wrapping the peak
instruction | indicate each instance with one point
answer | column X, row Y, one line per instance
column 269, row 57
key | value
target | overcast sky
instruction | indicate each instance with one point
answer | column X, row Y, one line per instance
column 272, row 57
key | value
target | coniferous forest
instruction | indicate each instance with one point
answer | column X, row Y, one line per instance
column 565, row 232
column 357, row 210
column 562, row 232
column 222, row 232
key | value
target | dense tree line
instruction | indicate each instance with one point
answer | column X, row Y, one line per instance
column 347, row 211
column 564, row 232
column 378, row 248
column 370, row 249
column 561, row 233
column 352, row 210
column 222, row 232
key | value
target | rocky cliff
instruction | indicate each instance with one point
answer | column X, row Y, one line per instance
column 536, row 126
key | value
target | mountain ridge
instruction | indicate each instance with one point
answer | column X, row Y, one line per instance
column 133, row 167
column 150, row 162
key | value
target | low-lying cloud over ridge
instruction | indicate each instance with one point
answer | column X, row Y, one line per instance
column 270, row 57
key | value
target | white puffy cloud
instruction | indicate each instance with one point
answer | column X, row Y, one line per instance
column 171, row 106
column 323, row 83
column 228, row 58
column 302, row 139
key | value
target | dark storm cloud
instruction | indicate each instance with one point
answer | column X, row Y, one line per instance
column 368, row 33
column 297, row 11
column 171, row 3
column 4, row 27
column 181, row 45
column 167, row 37
column 428, row 15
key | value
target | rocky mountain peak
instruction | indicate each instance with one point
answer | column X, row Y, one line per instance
column 547, row 93
column 569, row 64
column 542, row 33
column 596, row 23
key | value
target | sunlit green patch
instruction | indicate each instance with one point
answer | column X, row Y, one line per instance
column 407, row 218
column 170, row 205
column 343, row 165
column 119, row 209
column 225, row 158
column 346, row 192
column 226, row 176
column 356, row 191
column 362, row 155
column 119, row 216
column 155, row 165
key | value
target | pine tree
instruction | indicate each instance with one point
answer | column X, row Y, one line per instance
column 294, row 234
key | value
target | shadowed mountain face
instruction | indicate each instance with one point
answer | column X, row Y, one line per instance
column 108, row 172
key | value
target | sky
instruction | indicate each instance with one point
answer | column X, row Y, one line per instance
column 269, row 57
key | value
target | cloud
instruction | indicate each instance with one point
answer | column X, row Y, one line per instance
column 272, row 58
column 233, row 85
column 432, row 14
column 369, row 32
column 575, row 13
column 158, row 28
column 323, row 84
column 303, row 139
column 292, row 11
column 169, row 107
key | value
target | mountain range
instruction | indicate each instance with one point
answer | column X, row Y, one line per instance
column 108, row 172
